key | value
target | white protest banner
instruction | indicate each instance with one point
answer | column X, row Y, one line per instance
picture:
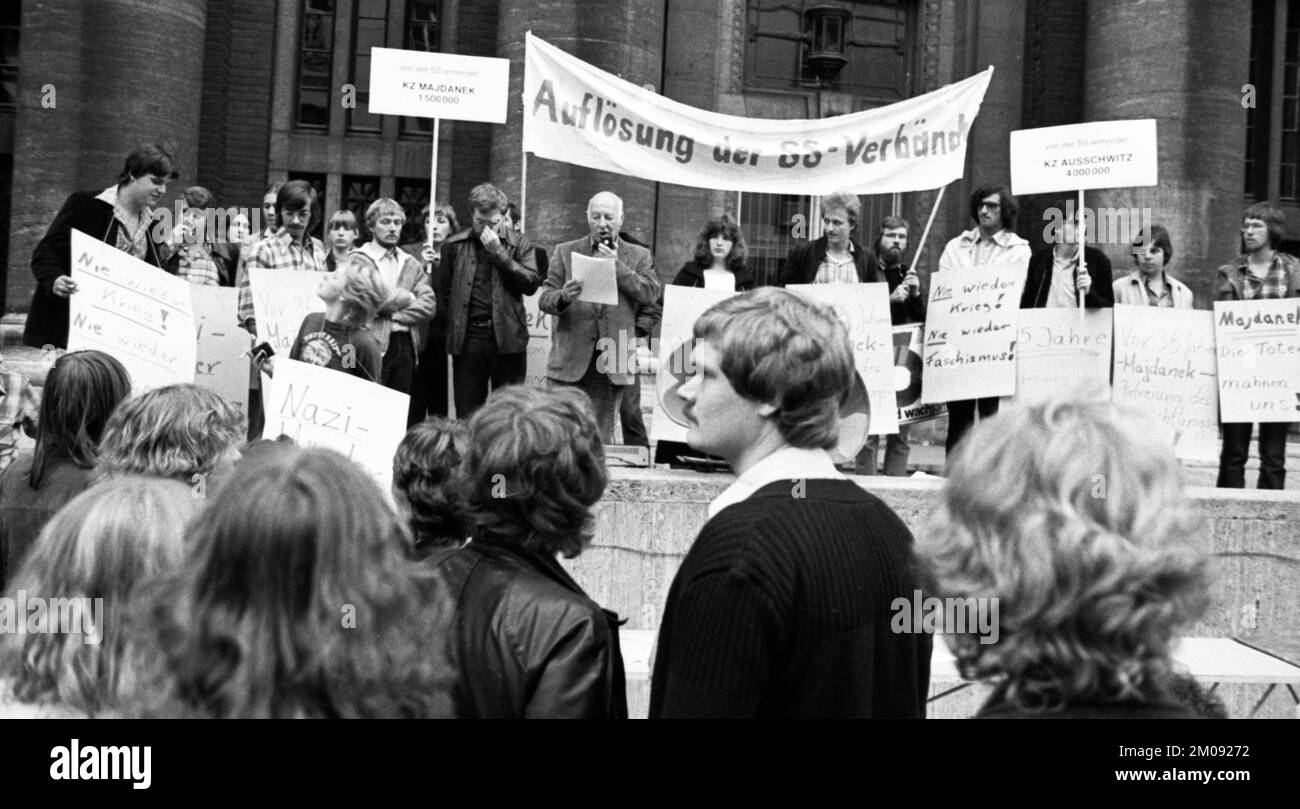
column 1057, row 352
column 1259, row 359
column 221, row 363
column 864, row 308
column 438, row 85
column 970, row 333
column 539, row 340
column 579, row 114
column 318, row 407
column 598, row 279
column 1164, row 367
column 132, row 311
column 1102, row 154
column 682, row 307
column 281, row 299
column 908, row 346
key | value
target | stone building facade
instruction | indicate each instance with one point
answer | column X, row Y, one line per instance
column 250, row 91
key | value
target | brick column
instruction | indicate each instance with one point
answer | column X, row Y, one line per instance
column 623, row 37
column 1182, row 64
column 123, row 73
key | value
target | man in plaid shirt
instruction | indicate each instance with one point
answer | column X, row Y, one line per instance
column 291, row 247
column 1260, row 273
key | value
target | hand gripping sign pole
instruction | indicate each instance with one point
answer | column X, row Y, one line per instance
column 419, row 84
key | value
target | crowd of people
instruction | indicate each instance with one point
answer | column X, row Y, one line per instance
column 245, row 577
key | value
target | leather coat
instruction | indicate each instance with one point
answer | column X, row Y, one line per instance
column 523, row 639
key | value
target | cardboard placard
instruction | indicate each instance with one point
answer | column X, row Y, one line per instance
column 1057, row 353
column 132, row 311
column 971, row 331
column 1164, row 366
column 319, row 407
column 451, row 86
column 1259, row 359
column 1101, row 154
column 221, row 363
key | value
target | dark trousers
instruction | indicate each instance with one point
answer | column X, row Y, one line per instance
column 604, row 396
column 896, row 451
column 1236, row 449
column 398, row 369
column 629, row 414
column 429, row 388
column 961, row 416
column 479, row 364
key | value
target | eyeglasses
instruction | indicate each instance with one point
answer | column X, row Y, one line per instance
column 992, row 206
column 297, row 216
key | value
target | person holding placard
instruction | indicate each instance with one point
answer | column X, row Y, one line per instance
column 1055, row 278
column 834, row 258
column 1150, row 284
column 993, row 240
column 401, row 324
column 1262, row 272
column 906, row 305
column 290, row 247
column 429, row 390
column 782, row 606
column 483, row 275
column 718, row 263
column 593, row 345
column 120, row 215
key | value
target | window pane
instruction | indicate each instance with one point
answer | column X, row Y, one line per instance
column 412, row 195
column 315, row 57
column 313, row 107
column 1286, row 188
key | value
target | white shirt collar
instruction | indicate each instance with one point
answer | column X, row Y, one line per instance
column 378, row 252
column 790, row 463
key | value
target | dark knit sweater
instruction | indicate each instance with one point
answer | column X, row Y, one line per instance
column 782, row 608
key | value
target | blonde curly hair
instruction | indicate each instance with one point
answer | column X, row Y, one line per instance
column 1072, row 514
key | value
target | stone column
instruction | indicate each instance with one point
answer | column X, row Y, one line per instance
column 1182, row 64
column 122, row 73
column 623, row 37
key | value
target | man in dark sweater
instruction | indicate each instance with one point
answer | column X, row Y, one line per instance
column 782, row 607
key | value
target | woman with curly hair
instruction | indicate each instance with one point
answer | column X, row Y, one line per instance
column 183, row 432
column 425, row 481
column 92, row 556
column 81, row 391
column 525, row 638
column 1073, row 517
column 294, row 601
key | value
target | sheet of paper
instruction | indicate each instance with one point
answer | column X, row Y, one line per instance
column 597, row 277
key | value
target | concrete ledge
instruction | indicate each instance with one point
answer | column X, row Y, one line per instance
column 649, row 517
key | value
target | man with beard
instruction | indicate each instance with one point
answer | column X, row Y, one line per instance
column 401, row 325
column 906, row 305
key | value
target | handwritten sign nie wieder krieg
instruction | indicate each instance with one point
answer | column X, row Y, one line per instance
column 132, row 311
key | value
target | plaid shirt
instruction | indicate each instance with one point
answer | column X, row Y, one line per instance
column 196, row 265
column 278, row 252
column 19, row 407
column 1236, row 282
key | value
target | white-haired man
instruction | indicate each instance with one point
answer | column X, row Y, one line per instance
column 593, row 345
